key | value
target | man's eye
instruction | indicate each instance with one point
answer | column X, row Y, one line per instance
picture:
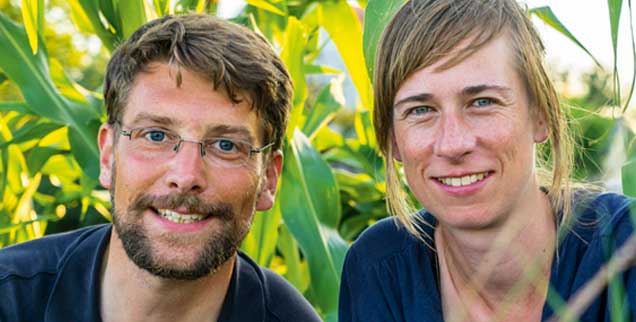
column 155, row 135
column 482, row 102
column 225, row 145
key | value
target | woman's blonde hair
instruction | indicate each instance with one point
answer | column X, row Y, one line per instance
column 425, row 31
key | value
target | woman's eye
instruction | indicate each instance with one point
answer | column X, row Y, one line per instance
column 420, row 110
column 482, row 102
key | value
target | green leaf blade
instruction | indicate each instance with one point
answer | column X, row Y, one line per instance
column 377, row 15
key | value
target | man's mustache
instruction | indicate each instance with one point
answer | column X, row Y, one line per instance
column 190, row 203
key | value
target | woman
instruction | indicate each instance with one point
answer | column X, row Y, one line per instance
column 462, row 99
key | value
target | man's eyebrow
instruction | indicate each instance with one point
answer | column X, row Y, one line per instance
column 157, row 119
column 224, row 129
column 422, row 97
column 473, row 90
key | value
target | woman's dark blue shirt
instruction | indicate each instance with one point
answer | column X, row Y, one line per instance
column 389, row 275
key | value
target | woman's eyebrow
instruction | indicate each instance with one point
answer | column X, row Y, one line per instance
column 422, row 97
column 476, row 89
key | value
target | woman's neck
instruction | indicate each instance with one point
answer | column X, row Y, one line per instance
column 500, row 272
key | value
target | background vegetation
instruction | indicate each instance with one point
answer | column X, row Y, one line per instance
column 52, row 59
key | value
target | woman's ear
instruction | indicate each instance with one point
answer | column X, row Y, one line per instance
column 541, row 131
column 394, row 149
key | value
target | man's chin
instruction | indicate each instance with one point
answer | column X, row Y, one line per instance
column 171, row 261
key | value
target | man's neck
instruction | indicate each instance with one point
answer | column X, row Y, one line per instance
column 503, row 269
column 128, row 293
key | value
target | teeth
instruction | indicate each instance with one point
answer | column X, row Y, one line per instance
column 462, row 181
column 180, row 218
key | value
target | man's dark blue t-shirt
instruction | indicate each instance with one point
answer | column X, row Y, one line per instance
column 56, row 279
column 390, row 276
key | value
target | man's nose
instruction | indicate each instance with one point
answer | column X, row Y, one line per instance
column 455, row 138
column 187, row 169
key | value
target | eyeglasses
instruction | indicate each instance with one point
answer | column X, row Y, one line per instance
column 161, row 144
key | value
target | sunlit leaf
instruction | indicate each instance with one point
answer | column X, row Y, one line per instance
column 345, row 30
column 162, row 7
column 327, row 138
column 37, row 157
column 61, row 166
column 16, row 164
column 31, row 132
column 33, row 18
column 320, row 69
column 80, row 18
column 364, row 128
column 546, row 15
column 292, row 56
column 108, row 11
column 132, row 14
column 265, row 5
column 377, row 15
column 7, row 228
column 102, row 27
column 330, row 99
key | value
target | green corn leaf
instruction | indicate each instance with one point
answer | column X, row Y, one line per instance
column 80, row 18
column 377, row 15
column 343, row 26
column 320, row 69
column 330, row 99
column 19, row 107
column 201, row 5
column 31, row 74
column 292, row 57
column 37, row 157
column 326, row 138
column 132, row 14
column 104, row 30
column 108, row 10
column 310, row 205
column 297, row 273
column 8, row 228
column 31, row 132
column 61, row 166
column 87, row 160
column 33, row 17
column 267, row 6
column 628, row 176
column 162, row 7
column 260, row 242
column 546, row 15
column 364, row 128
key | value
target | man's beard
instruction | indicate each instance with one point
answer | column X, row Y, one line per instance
column 219, row 247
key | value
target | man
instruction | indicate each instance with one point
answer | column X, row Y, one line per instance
column 197, row 109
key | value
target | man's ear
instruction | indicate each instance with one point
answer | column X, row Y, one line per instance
column 106, row 157
column 267, row 192
column 394, row 147
column 541, row 131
